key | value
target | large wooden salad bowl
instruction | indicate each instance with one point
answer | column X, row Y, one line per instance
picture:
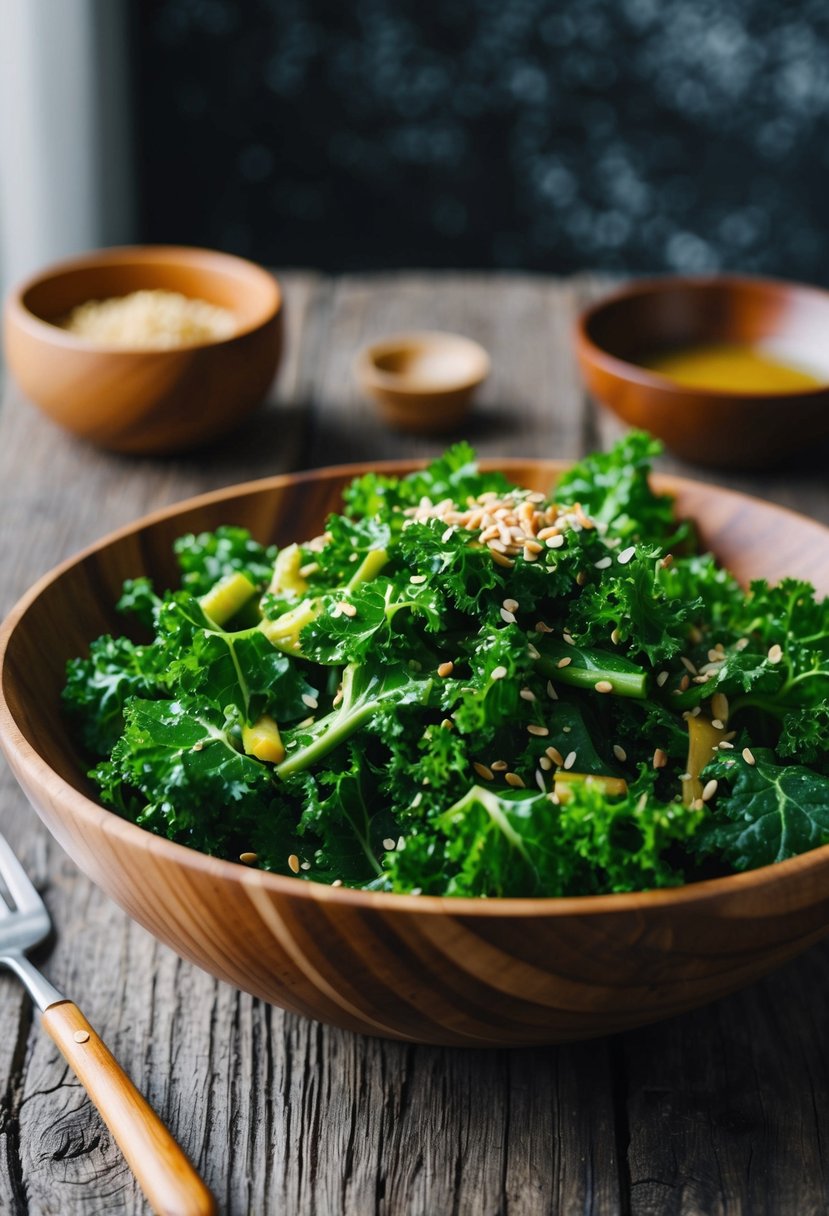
column 426, row 969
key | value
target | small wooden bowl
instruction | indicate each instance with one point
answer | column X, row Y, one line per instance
column 145, row 401
column 454, row 971
column 741, row 430
column 422, row 381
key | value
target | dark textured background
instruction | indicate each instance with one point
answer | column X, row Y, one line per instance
column 550, row 135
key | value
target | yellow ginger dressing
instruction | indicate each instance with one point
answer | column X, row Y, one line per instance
column 729, row 368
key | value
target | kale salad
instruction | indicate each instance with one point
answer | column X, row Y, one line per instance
column 466, row 688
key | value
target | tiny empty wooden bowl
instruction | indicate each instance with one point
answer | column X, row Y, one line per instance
column 455, row 971
column 422, row 381
column 145, row 401
column 741, row 430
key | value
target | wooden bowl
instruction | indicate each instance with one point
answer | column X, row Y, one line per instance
column 422, row 381
column 145, row 400
column 740, row 430
column 422, row 968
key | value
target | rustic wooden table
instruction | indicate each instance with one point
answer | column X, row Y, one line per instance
column 725, row 1110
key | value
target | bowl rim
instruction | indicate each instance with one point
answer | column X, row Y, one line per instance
column 206, row 259
column 590, row 351
column 365, row 365
column 94, row 815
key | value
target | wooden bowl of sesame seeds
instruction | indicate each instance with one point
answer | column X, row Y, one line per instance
column 420, row 968
column 146, row 349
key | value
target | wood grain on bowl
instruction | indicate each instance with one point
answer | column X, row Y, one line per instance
column 142, row 400
column 426, row 969
column 709, row 427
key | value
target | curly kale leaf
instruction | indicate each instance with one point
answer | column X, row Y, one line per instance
column 514, row 843
column 210, row 556
column 763, row 812
column 98, row 687
column 613, row 488
column 453, row 475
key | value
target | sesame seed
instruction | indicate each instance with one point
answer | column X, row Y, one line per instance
column 499, row 766
column 539, row 781
column 499, row 558
column 568, row 637
column 748, row 756
column 527, row 694
column 508, row 616
column 570, row 760
column 615, row 636
column 603, row 686
column 250, row 859
column 532, row 652
column 511, row 605
column 498, row 673
column 661, row 678
column 293, row 863
column 685, row 682
column 688, row 665
column 555, row 755
column 564, row 662
column 709, row 790
column 659, row 758
column 447, row 535
column 546, row 763
column 626, row 554
column 726, row 745
column 603, row 563
column 717, row 724
column 619, row 752
column 388, row 844
column 542, row 627
column 336, row 610
column 417, row 578
column 482, row 770
column 306, row 865
column 775, row 653
column 514, row 780
column 530, row 555
column 551, row 692
column 310, row 700
column 555, row 542
column 534, row 729
column 338, row 882
column 546, row 533
column 348, row 610
column 741, row 644
column 401, row 843
column 446, row 669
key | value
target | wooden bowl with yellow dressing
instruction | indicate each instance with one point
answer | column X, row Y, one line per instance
column 729, row 371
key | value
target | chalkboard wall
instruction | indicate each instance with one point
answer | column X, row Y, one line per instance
column 550, row 135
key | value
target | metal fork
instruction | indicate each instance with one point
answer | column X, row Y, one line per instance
column 168, row 1180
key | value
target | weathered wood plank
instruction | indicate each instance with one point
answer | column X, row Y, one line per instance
column 725, row 1109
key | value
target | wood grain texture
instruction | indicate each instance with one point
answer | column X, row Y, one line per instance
column 724, row 430
column 454, row 972
column 166, row 1177
column 145, row 401
column 282, row 1114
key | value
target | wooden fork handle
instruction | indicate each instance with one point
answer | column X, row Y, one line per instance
column 171, row 1185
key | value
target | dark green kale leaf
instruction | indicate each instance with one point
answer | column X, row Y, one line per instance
column 453, row 475
column 613, row 489
column 241, row 669
column 763, row 812
column 98, row 687
column 210, row 556
column 633, row 601
column 516, row 843
column 138, row 599
column 334, row 637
